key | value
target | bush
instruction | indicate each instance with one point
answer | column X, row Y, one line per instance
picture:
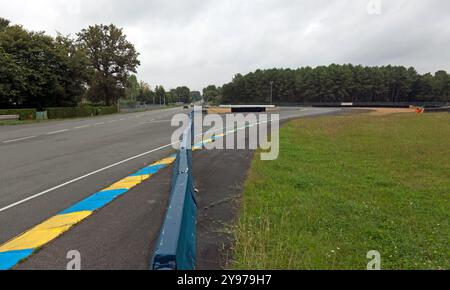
column 25, row 114
column 63, row 113
column 106, row 110
column 77, row 112
column 128, row 103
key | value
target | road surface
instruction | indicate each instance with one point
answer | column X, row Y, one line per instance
column 63, row 151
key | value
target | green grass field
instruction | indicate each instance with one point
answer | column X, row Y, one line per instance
column 345, row 185
column 16, row 122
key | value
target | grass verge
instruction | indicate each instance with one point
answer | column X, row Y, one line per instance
column 346, row 185
column 17, row 122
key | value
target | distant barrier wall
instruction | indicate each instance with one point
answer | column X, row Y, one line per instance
column 368, row 104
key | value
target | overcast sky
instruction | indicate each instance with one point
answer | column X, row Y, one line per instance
column 201, row 42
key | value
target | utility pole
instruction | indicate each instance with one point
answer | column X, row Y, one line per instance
column 271, row 92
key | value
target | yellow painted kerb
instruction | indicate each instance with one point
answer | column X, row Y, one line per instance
column 166, row 161
column 45, row 232
column 135, row 179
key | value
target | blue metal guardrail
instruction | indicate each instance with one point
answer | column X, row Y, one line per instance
column 177, row 244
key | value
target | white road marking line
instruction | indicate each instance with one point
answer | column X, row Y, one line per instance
column 155, row 121
column 57, row 132
column 147, row 122
column 81, row 127
column 19, row 139
column 83, row 177
column 123, row 119
column 98, row 124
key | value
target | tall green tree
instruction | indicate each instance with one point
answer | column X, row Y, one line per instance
column 441, row 85
column 168, row 98
column 39, row 71
column 133, row 88
column 160, row 94
column 3, row 23
column 145, row 95
column 195, row 96
column 210, row 94
column 112, row 57
column 75, row 72
column 183, row 94
column 174, row 96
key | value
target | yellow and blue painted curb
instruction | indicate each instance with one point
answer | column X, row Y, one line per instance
column 24, row 245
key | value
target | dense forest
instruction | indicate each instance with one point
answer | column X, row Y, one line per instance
column 336, row 83
column 96, row 67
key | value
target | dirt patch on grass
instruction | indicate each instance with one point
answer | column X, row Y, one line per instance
column 389, row 111
column 217, row 110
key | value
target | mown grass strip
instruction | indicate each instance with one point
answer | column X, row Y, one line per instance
column 345, row 185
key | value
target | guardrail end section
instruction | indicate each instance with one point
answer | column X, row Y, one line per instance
column 164, row 262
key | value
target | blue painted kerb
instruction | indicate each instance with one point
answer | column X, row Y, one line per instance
column 12, row 258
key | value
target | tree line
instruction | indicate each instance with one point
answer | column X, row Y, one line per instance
column 334, row 83
column 97, row 66
column 143, row 93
